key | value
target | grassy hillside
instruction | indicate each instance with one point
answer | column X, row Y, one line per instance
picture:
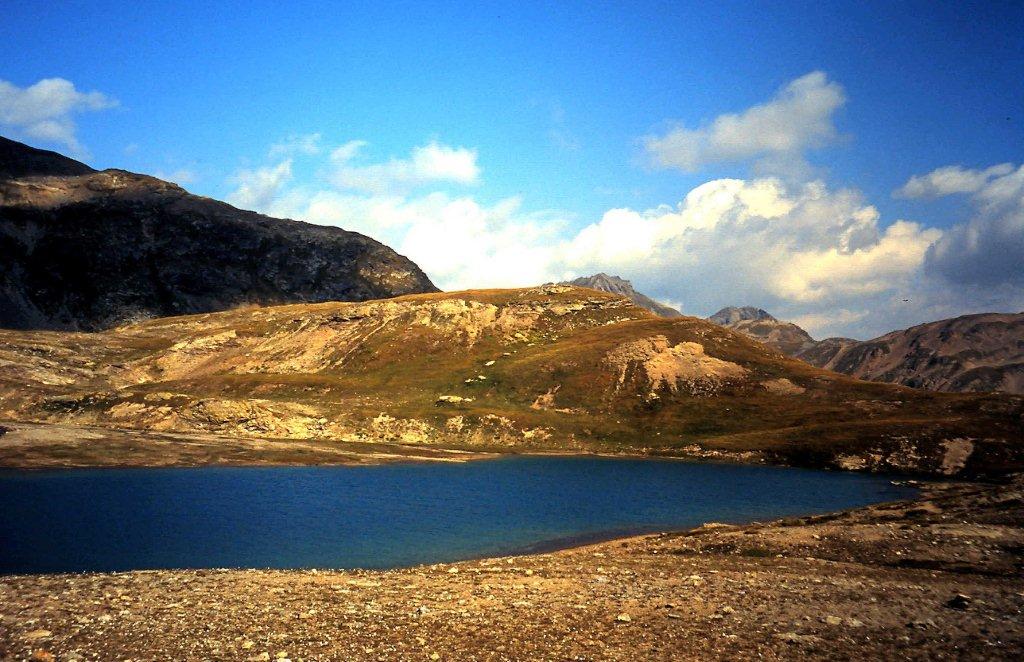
column 550, row 368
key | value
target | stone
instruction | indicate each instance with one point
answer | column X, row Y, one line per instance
column 833, row 620
column 623, row 618
column 959, row 601
column 38, row 634
column 795, row 638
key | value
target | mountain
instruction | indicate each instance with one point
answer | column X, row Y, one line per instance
column 756, row 323
column 973, row 353
column 734, row 314
column 539, row 369
column 605, row 283
column 19, row 160
column 85, row 249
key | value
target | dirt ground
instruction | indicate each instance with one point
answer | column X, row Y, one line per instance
column 936, row 578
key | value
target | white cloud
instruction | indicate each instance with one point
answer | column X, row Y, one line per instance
column 822, row 256
column 950, row 180
column 432, row 163
column 307, row 145
column 798, row 118
column 46, row 110
column 987, row 250
column 460, row 242
column 763, row 241
column 257, row 189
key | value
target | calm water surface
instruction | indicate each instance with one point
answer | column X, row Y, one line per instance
column 384, row 516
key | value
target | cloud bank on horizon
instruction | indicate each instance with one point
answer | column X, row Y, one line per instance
column 783, row 239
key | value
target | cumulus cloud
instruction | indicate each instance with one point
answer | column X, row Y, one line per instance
column 798, row 118
column 46, row 110
column 258, row 188
column 988, row 249
column 460, row 242
column 432, row 163
column 950, row 180
column 801, row 250
column 758, row 240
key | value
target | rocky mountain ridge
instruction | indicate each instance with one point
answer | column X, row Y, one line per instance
column 758, row 324
column 615, row 285
column 86, row 250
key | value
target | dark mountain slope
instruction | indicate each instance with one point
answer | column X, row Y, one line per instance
column 19, row 160
column 81, row 249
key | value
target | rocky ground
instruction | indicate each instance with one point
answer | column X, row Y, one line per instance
column 937, row 578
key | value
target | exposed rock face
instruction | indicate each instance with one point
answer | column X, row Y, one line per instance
column 786, row 337
column 658, row 364
column 972, row 353
column 81, row 249
column 623, row 287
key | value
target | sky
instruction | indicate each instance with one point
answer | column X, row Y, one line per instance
column 853, row 167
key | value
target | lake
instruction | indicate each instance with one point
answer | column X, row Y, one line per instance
column 385, row 516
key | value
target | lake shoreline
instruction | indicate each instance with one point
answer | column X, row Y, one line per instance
column 31, row 445
column 934, row 576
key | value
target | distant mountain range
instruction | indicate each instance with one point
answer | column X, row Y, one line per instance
column 88, row 250
column 972, row 353
column 623, row 287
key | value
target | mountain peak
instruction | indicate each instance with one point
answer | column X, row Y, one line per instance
column 19, row 160
column 616, row 285
column 733, row 314
column 88, row 250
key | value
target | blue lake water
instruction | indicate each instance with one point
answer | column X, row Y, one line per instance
column 384, row 516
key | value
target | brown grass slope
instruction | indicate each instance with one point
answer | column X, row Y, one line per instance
column 541, row 369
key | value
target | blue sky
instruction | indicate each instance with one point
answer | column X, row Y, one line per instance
column 556, row 108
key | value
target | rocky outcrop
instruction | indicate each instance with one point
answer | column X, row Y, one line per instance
column 658, row 364
column 88, row 250
column 615, row 285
